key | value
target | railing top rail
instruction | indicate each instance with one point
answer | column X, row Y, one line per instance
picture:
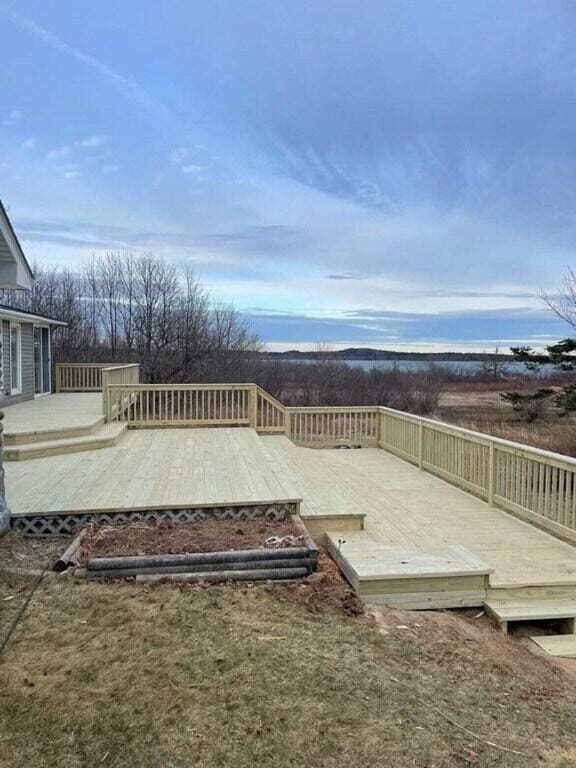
column 470, row 434
column 332, row 409
column 91, row 365
column 270, row 398
column 207, row 387
column 116, row 366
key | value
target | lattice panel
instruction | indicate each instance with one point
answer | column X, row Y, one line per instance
column 63, row 523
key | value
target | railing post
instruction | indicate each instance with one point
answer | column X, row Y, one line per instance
column 491, row 473
column 288, row 424
column 253, row 406
column 420, row 444
column 58, row 372
column 105, row 396
column 381, row 424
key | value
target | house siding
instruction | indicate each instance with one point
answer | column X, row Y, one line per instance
column 27, row 331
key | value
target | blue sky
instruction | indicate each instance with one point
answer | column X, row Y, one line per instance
column 398, row 174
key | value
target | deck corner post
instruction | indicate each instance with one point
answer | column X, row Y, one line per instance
column 253, row 406
column 491, row 473
column 420, row 444
column 105, row 396
column 288, row 424
column 380, row 430
column 4, row 509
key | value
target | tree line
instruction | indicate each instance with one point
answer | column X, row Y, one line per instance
column 121, row 307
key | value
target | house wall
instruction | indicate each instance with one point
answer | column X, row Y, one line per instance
column 27, row 363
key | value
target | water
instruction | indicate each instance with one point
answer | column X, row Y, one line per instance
column 466, row 367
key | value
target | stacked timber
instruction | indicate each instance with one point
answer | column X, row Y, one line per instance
column 242, row 565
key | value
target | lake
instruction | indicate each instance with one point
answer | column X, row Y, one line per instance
column 466, row 367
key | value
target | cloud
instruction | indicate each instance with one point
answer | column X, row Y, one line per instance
column 111, row 168
column 192, row 168
column 72, row 174
column 179, row 155
column 345, row 276
column 59, row 152
column 483, row 329
column 29, row 143
column 93, row 141
column 14, row 116
column 131, row 90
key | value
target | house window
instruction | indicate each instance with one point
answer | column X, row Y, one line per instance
column 15, row 358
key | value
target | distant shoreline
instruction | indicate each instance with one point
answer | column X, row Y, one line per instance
column 367, row 353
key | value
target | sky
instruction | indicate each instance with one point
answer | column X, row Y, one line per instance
column 375, row 173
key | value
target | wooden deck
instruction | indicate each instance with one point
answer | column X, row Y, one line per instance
column 150, row 469
column 399, row 509
column 411, row 510
column 53, row 416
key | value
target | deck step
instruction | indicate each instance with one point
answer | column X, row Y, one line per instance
column 557, row 645
column 449, row 577
column 25, row 437
column 105, row 437
column 505, row 611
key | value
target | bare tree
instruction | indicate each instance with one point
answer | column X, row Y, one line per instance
column 564, row 304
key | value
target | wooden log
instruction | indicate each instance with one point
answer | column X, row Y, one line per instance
column 146, row 561
column 68, row 557
column 306, row 564
column 264, row 574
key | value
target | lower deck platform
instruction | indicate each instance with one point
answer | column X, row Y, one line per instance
column 172, row 473
column 411, row 519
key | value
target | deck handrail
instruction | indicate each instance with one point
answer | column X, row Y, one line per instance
column 122, row 374
column 537, row 485
column 149, row 405
column 82, row 377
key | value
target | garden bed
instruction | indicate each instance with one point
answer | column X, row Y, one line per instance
column 168, row 538
column 208, row 550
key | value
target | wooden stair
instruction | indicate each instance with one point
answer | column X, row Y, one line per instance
column 557, row 645
column 450, row 577
column 104, row 436
column 506, row 611
column 24, row 437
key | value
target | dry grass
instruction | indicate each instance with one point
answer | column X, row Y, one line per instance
column 125, row 676
column 485, row 411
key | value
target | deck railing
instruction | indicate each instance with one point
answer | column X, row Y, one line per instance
column 537, row 485
column 179, row 405
column 333, row 425
column 118, row 375
column 270, row 414
column 83, row 377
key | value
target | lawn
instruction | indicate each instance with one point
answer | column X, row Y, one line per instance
column 127, row 676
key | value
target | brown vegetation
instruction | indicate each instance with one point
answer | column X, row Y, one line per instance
column 124, row 675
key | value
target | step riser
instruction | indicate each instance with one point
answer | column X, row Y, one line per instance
column 533, row 593
column 26, row 438
column 93, row 445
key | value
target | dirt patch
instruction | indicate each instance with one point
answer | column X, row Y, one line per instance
column 30, row 552
column 324, row 591
column 167, row 538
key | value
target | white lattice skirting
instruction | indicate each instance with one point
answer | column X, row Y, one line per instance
column 68, row 522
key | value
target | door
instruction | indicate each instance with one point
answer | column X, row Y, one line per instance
column 42, row 379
